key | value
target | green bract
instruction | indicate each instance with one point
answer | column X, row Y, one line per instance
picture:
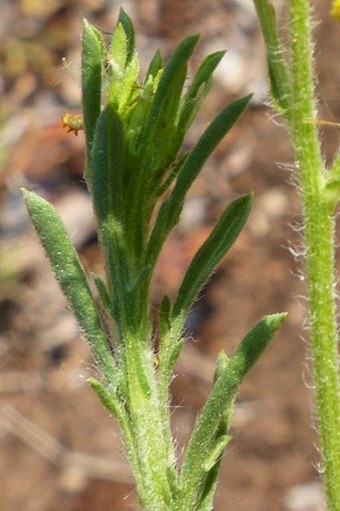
column 138, row 177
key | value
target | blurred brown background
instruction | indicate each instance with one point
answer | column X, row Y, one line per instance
column 59, row 448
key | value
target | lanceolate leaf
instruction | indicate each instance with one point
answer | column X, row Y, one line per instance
column 108, row 167
column 117, row 53
column 129, row 30
column 171, row 208
column 207, row 430
column 197, row 92
column 92, row 58
column 210, row 254
column 154, row 151
column 155, row 66
column 71, row 277
column 277, row 67
column 205, row 494
column 102, row 292
column 122, row 69
column 205, row 146
column 107, row 195
column 170, row 85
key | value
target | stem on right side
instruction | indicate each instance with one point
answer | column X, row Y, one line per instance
column 319, row 241
column 293, row 92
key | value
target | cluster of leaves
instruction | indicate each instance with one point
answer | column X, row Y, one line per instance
column 138, row 179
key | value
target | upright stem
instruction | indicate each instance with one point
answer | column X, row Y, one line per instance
column 319, row 242
column 293, row 92
column 154, row 449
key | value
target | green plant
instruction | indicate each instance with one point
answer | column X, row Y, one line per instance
column 138, row 178
column 293, row 96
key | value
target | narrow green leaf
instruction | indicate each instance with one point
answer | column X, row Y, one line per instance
column 164, row 315
column 123, row 64
column 207, row 430
column 170, row 345
column 170, row 175
column 211, row 252
column 171, row 208
column 107, row 195
column 169, row 87
column 197, row 91
column 123, row 79
column 169, row 352
column 219, row 127
column 216, row 453
column 108, row 167
column 129, row 30
column 92, row 58
column 117, row 52
column 155, row 66
column 206, row 492
column 117, row 408
column 278, row 72
column 111, row 200
column 177, row 346
column 208, row 489
column 222, row 362
column 332, row 184
column 102, row 291
column 71, row 277
column 154, row 151
column 108, row 399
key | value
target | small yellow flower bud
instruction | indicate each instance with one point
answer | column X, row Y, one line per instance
column 72, row 122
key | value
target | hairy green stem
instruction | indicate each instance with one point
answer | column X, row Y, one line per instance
column 319, row 241
column 300, row 113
